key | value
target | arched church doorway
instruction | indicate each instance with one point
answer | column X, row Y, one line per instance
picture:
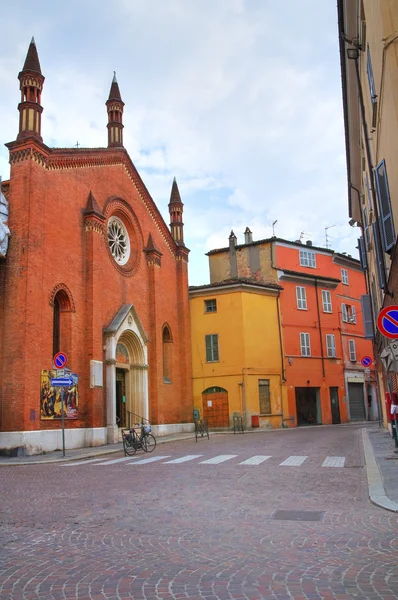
column 126, row 372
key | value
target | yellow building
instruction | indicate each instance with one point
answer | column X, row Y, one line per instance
column 237, row 353
column 369, row 67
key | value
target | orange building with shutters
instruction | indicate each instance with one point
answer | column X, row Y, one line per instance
column 317, row 322
column 91, row 269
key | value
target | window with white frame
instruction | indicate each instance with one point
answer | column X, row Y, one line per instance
column 349, row 313
column 307, row 259
column 330, row 345
column 352, row 351
column 212, row 348
column 301, row 297
column 344, row 276
column 305, row 344
column 326, row 301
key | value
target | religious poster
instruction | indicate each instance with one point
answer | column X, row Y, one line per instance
column 53, row 396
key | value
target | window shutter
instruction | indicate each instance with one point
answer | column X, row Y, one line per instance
column 367, row 316
column 369, row 71
column 215, row 347
column 362, row 254
column 379, row 258
column 344, row 312
column 208, row 348
column 383, row 196
column 353, row 314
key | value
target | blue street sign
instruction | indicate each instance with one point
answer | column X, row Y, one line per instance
column 366, row 361
column 62, row 381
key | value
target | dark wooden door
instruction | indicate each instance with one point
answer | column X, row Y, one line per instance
column 216, row 409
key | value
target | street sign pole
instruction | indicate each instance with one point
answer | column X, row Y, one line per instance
column 63, row 424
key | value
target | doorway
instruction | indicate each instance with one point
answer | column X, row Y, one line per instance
column 216, row 407
column 121, row 398
column 356, row 398
column 308, row 406
column 334, row 405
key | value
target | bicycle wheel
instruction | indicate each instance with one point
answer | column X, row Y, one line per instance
column 149, row 443
column 129, row 445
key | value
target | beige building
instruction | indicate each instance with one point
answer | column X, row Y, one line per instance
column 369, row 68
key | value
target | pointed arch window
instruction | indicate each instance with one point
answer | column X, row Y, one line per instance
column 167, row 344
column 63, row 307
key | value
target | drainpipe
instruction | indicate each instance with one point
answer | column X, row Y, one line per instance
column 320, row 328
column 369, row 291
column 244, row 398
column 280, row 339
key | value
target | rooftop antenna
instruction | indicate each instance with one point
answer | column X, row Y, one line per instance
column 326, row 235
column 273, row 227
column 302, row 234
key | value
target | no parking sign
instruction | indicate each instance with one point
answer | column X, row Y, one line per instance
column 387, row 322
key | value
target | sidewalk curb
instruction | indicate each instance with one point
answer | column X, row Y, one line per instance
column 92, row 454
column 377, row 493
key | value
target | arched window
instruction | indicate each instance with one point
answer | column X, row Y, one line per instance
column 56, row 326
column 167, row 344
column 63, row 307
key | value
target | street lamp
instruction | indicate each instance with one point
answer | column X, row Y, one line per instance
column 353, row 53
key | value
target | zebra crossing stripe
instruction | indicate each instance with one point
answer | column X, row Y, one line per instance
column 293, row 461
column 114, row 461
column 218, row 459
column 183, row 459
column 255, row 460
column 81, row 462
column 145, row 461
column 334, row 461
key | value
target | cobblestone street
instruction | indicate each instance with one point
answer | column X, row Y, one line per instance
column 240, row 526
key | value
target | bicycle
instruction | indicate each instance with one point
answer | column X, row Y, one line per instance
column 133, row 441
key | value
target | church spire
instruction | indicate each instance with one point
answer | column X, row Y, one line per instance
column 114, row 106
column 176, row 210
column 31, row 85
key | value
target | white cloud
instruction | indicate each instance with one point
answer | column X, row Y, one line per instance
column 239, row 100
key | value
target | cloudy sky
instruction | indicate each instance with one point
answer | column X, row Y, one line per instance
column 240, row 100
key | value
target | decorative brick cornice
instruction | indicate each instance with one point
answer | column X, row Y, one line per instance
column 80, row 158
column 93, row 224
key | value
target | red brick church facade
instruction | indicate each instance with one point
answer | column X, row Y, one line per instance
column 92, row 271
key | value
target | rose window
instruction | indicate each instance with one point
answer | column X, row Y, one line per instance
column 118, row 240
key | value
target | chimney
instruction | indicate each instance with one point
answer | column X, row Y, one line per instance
column 248, row 236
column 308, row 243
column 232, row 239
column 232, row 255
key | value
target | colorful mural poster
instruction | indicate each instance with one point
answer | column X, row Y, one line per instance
column 51, row 397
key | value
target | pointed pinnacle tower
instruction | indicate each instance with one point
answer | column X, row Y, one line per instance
column 176, row 210
column 31, row 85
column 114, row 105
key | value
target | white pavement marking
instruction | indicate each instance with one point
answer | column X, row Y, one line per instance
column 81, row 462
column 293, row 461
column 334, row 461
column 255, row 460
column 182, row 459
column 149, row 460
column 218, row 459
column 114, row 461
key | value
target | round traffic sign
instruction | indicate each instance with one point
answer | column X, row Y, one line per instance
column 60, row 360
column 387, row 322
column 366, row 361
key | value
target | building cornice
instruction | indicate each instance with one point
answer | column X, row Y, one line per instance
column 54, row 159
